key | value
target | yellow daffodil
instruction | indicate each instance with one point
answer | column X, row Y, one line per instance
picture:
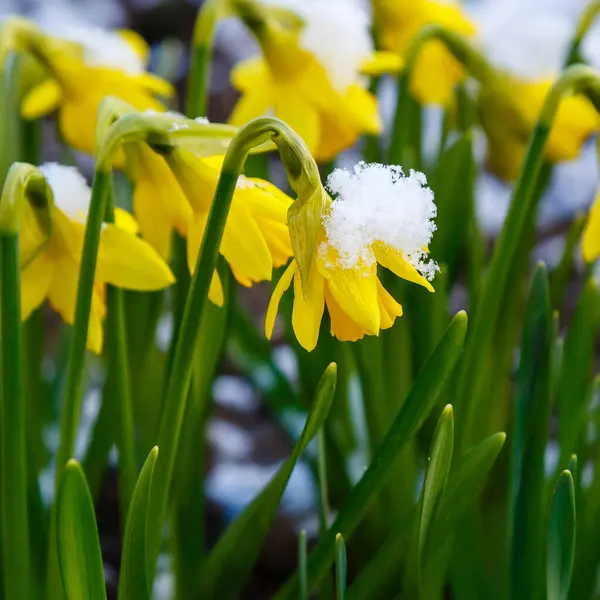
column 590, row 242
column 508, row 113
column 81, row 73
column 310, row 77
column 51, row 267
column 436, row 71
column 176, row 192
column 379, row 216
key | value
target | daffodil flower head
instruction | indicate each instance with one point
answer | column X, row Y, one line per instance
column 378, row 215
column 309, row 76
column 84, row 65
column 509, row 108
column 52, row 271
column 590, row 241
column 436, row 71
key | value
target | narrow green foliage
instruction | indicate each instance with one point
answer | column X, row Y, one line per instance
column 231, row 560
column 302, row 554
column 405, row 145
column 341, row 567
column 421, row 399
column 79, row 553
column 531, row 430
column 133, row 578
column 561, row 539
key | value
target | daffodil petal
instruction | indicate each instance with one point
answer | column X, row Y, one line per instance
column 126, row 221
column 63, row 290
column 155, row 85
column 382, row 62
column 391, row 259
column 252, row 104
column 308, row 312
column 42, row 100
column 282, row 285
column 194, row 239
column 136, row 42
column 590, row 243
column 215, row 292
column 249, row 73
column 389, row 309
column 36, row 278
column 95, row 329
column 129, row 262
column 301, row 116
column 342, row 326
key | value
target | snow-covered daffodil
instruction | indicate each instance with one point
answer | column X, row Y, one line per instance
column 84, row 65
column 309, row 73
column 378, row 216
column 508, row 112
column 436, row 71
column 51, row 267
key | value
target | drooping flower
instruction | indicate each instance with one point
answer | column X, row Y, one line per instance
column 378, row 216
column 52, row 260
column 310, row 73
column 84, row 65
column 436, row 71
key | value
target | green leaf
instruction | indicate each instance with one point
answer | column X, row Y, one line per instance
column 79, row 553
column 405, row 145
column 231, row 560
column 577, row 366
column 530, row 437
column 421, row 399
column 302, row 552
column 341, row 567
column 561, row 539
column 133, row 578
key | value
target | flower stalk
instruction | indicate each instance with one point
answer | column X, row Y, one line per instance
column 586, row 20
column 301, row 171
column 24, row 184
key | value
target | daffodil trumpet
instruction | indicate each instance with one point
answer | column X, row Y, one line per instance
column 25, row 189
column 303, row 175
column 507, row 258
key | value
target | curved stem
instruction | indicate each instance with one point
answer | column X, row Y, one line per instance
column 294, row 156
column 586, row 20
column 505, row 260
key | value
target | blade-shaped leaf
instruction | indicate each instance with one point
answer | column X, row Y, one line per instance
column 133, row 579
column 302, row 553
column 341, row 567
column 421, row 399
column 231, row 560
column 79, row 553
column 561, row 539
column 530, row 437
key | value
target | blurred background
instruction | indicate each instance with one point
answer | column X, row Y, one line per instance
column 246, row 443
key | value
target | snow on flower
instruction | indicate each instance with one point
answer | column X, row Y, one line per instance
column 70, row 189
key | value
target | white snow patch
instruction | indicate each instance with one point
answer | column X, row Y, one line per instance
column 71, row 192
column 377, row 203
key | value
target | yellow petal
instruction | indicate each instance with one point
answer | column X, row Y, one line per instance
column 194, row 238
column 282, row 285
column 362, row 109
column 243, row 245
column 95, row 330
column 308, row 312
column 36, row 278
column 389, row 309
column 126, row 221
column 252, row 104
column 155, row 85
column 355, row 290
column 392, row 259
column 301, row 116
column 342, row 326
column 250, row 74
column 215, row 292
column 42, row 99
column 63, row 289
column 382, row 62
column 137, row 43
column 129, row 262
column 277, row 236
column 590, row 243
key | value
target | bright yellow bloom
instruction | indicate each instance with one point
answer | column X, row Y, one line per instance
column 508, row 115
column 256, row 237
column 78, row 80
column 51, row 267
column 436, row 71
column 290, row 82
column 362, row 228
column 590, row 242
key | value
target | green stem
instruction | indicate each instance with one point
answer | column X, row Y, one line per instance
column 585, row 22
column 200, row 59
column 505, row 259
column 76, row 362
column 15, row 525
column 294, row 154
